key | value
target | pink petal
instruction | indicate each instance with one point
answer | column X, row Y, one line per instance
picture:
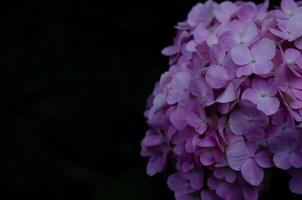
column 252, row 173
column 264, row 50
column 217, row 76
column 241, row 55
column 281, row 160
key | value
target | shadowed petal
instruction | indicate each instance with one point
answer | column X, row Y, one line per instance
column 281, row 160
column 252, row 173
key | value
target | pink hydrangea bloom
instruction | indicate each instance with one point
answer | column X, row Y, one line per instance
column 229, row 108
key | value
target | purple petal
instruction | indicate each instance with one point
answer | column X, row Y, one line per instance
column 291, row 55
column 262, row 67
column 177, row 118
column 208, row 195
column 206, row 158
column 244, row 71
column 296, row 159
column 251, row 95
column 288, row 6
column 250, row 33
column 252, row 173
column 250, row 193
column 281, row 160
column 241, row 55
column 217, row 76
column 264, row 50
column 152, row 139
column 237, row 153
column 194, row 14
column 269, row 105
column 247, row 12
column 228, row 95
column 200, row 33
column 264, row 159
column 170, row 51
column 298, row 43
column 178, row 184
column 194, row 120
column 295, row 184
column 156, row 164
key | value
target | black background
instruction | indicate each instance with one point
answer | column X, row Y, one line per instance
column 74, row 81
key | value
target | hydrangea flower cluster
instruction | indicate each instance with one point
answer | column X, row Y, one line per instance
column 230, row 106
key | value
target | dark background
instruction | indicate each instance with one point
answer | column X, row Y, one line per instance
column 74, row 82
